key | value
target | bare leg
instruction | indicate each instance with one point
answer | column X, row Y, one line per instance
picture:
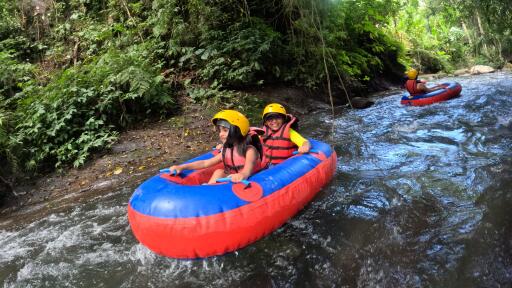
column 219, row 173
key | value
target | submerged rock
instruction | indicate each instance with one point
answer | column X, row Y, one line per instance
column 361, row 103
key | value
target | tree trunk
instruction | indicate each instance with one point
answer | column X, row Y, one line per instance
column 75, row 52
column 482, row 32
column 480, row 27
column 466, row 31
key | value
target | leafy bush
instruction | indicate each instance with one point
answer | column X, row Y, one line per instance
column 5, row 156
column 238, row 55
column 80, row 110
column 8, row 22
column 426, row 61
column 215, row 94
column 23, row 49
column 12, row 74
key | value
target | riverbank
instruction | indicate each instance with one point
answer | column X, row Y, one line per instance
column 138, row 154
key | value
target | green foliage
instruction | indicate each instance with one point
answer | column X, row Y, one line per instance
column 236, row 56
column 6, row 157
column 426, row 61
column 215, row 94
column 80, row 109
column 5, row 119
column 22, row 49
column 457, row 32
column 8, row 22
column 12, row 74
column 233, row 53
column 250, row 106
column 363, row 49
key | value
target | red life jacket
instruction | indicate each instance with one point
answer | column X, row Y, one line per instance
column 234, row 162
column 412, row 87
column 277, row 146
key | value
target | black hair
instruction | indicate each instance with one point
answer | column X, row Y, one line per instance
column 235, row 137
column 254, row 140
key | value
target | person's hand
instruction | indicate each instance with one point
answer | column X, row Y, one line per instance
column 306, row 146
column 176, row 168
column 219, row 146
column 235, row 178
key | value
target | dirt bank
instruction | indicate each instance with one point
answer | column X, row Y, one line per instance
column 138, row 154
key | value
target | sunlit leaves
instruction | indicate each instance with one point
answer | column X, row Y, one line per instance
column 462, row 31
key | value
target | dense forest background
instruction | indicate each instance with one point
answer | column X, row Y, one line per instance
column 75, row 73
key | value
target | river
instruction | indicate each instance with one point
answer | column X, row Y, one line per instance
column 422, row 197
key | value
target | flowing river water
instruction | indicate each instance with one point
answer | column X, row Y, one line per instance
column 422, row 197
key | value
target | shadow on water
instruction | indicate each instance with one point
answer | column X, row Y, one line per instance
column 421, row 199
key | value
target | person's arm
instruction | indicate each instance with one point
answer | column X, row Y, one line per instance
column 422, row 87
column 201, row 164
column 301, row 142
column 441, row 86
column 250, row 160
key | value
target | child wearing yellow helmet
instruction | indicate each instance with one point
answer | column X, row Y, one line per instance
column 417, row 87
column 239, row 157
column 280, row 139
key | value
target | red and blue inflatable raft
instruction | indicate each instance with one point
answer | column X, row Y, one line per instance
column 177, row 217
column 451, row 90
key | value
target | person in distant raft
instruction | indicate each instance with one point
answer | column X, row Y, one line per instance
column 241, row 159
column 279, row 137
column 417, row 87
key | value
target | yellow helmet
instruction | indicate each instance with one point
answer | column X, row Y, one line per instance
column 234, row 118
column 412, row 73
column 273, row 108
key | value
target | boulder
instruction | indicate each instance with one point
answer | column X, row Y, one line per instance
column 481, row 69
column 507, row 67
column 361, row 103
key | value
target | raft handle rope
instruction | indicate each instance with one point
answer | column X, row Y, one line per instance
column 310, row 151
column 228, row 179
column 167, row 170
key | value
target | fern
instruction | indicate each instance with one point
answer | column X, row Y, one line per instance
column 80, row 110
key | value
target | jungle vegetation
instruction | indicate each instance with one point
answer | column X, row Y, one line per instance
column 75, row 73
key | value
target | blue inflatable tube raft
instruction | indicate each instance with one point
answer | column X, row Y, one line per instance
column 451, row 90
column 176, row 216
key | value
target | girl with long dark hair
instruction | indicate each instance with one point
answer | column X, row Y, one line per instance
column 240, row 157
